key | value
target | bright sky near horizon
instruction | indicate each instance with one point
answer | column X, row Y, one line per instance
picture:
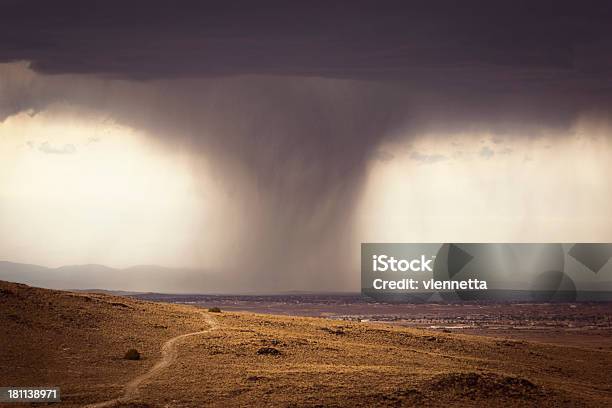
column 84, row 189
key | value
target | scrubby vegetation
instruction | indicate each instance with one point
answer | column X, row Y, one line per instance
column 132, row 354
column 270, row 351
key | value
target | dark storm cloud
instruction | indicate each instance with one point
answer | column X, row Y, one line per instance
column 442, row 41
column 549, row 57
column 292, row 152
column 290, row 100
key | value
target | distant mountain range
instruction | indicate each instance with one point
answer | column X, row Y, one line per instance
column 142, row 278
column 163, row 280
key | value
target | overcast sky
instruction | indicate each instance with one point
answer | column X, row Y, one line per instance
column 265, row 140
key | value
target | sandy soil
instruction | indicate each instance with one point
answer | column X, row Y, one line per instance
column 76, row 341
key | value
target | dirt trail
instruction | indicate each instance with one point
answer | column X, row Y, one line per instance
column 169, row 353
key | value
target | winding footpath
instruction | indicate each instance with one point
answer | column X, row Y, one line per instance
column 169, row 353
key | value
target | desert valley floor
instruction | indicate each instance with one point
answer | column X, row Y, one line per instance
column 194, row 358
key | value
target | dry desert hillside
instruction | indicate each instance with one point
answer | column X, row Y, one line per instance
column 77, row 341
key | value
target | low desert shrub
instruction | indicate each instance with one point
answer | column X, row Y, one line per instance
column 132, row 354
column 270, row 351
